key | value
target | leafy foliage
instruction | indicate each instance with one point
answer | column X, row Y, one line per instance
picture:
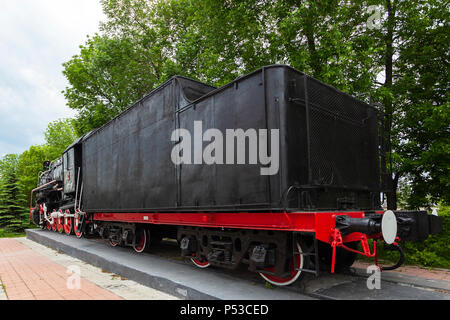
column 106, row 77
column 58, row 136
column 7, row 234
column 422, row 133
column 12, row 213
column 28, row 168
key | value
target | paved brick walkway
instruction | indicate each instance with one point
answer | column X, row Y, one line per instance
column 26, row 275
column 435, row 274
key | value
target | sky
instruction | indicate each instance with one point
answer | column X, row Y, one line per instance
column 36, row 37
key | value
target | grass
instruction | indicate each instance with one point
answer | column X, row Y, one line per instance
column 7, row 234
column 269, row 286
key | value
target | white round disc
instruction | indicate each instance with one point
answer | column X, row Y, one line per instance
column 389, row 227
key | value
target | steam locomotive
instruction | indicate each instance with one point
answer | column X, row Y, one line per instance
column 294, row 188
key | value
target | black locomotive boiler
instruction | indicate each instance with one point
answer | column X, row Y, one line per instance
column 275, row 170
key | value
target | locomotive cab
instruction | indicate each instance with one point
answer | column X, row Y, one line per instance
column 69, row 171
column 72, row 164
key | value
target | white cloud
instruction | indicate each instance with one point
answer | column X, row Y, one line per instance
column 36, row 37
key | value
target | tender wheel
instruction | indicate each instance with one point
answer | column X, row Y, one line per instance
column 68, row 224
column 294, row 274
column 60, row 223
column 113, row 243
column 201, row 263
column 141, row 240
column 76, row 222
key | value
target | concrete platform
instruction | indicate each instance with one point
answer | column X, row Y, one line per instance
column 173, row 277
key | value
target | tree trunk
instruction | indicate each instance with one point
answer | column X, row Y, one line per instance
column 388, row 103
column 392, row 196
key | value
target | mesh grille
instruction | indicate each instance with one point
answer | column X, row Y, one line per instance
column 343, row 139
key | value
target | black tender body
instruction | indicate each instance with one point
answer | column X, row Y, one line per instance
column 328, row 149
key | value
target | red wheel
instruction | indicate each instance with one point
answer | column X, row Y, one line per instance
column 60, row 222
column 199, row 263
column 68, row 225
column 141, row 240
column 54, row 227
column 294, row 274
column 113, row 243
column 48, row 220
column 76, row 221
column 42, row 223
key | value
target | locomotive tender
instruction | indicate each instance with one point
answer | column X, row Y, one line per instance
column 120, row 181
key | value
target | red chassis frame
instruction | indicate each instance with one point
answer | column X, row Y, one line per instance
column 322, row 224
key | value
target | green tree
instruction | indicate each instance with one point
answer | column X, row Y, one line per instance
column 422, row 132
column 414, row 57
column 28, row 168
column 12, row 214
column 105, row 78
column 217, row 41
column 58, row 136
column 329, row 41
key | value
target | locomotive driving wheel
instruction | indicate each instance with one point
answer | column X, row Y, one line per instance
column 60, row 222
column 294, row 272
column 48, row 222
column 76, row 222
column 68, row 225
column 54, row 226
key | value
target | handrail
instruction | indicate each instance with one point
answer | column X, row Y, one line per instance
column 43, row 186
